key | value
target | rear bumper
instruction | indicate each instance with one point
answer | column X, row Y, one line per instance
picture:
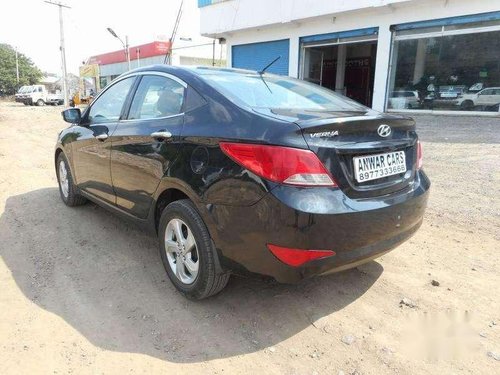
column 315, row 218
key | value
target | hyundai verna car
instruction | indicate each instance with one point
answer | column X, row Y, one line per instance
column 242, row 172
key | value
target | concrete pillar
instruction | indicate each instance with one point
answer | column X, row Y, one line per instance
column 229, row 55
column 418, row 71
column 381, row 67
column 293, row 58
column 340, row 73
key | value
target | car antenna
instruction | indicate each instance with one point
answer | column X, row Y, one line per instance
column 261, row 72
column 268, row 65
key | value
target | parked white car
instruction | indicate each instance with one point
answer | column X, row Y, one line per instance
column 404, row 100
column 38, row 95
column 489, row 97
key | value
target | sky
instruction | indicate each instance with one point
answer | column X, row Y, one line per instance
column 33, row 27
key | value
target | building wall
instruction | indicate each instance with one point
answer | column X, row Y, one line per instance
column 237, row 15
column 250, row 21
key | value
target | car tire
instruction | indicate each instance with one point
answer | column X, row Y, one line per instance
column 40, row 103
column 193, row 267
column 467, row 105
column 67, row 189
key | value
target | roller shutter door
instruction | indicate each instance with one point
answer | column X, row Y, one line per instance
column 256, row 56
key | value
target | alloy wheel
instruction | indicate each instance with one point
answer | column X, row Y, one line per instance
column 63, row 178
column 181, row 250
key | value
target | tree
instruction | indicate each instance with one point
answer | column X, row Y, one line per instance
column 29, row 74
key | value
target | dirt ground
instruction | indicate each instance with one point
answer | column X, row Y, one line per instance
column 83, row 292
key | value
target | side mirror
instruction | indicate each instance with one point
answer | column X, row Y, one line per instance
column 72, row 115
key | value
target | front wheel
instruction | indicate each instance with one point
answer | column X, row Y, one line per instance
column 40, row 103
column 467, row 105
column 188, row 253
column 67, row 188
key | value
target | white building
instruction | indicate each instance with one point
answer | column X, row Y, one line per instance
column 404, row 55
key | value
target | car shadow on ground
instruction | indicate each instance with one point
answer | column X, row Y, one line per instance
column 104, row 277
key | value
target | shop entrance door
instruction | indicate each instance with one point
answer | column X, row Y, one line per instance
column 345, row 67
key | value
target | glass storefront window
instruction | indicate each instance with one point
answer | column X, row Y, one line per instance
column 447, row 72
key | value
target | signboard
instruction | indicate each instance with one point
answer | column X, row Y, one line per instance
column 90, row 70
column 142, row 51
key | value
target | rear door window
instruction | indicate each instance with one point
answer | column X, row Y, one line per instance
column 156, row 97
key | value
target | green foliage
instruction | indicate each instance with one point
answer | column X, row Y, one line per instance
column 29, row 74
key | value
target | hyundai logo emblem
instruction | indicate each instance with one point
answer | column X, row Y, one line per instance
column 384, row 130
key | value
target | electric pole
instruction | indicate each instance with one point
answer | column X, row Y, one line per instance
column 17, row 69
column 62, row 48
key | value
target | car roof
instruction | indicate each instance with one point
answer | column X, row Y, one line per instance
column 196, row 70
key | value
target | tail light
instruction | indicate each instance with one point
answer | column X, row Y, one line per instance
column 420, row 156
column 285, row 165
column 297, row 257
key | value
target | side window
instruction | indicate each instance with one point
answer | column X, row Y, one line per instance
column 108, row 106
column 157, row 96
column 40, row 89
column 487, row 92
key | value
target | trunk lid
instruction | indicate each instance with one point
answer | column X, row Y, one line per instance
column 339, row 137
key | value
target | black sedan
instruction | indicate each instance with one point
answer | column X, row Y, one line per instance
column 242, row 172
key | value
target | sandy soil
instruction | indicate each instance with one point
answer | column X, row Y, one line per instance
column 84, row 292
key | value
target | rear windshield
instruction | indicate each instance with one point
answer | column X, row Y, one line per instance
column 276, row 92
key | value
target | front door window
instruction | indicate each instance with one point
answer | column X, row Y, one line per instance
column 108, row 107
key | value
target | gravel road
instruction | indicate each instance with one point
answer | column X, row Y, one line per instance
column 84, row 292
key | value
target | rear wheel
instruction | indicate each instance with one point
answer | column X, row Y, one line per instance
column 188, row 253
column 67, row 188
column 40, row 103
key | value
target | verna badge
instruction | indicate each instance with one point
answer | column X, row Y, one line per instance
column 324, row 134
column 384, row 130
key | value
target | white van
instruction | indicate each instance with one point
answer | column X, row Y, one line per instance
column 38, row 95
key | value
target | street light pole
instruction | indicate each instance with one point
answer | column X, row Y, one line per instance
column 125, row 45
column 127, row 51
column 63, row 50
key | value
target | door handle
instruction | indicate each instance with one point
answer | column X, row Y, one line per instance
column 162, row 134
column 101, row 137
